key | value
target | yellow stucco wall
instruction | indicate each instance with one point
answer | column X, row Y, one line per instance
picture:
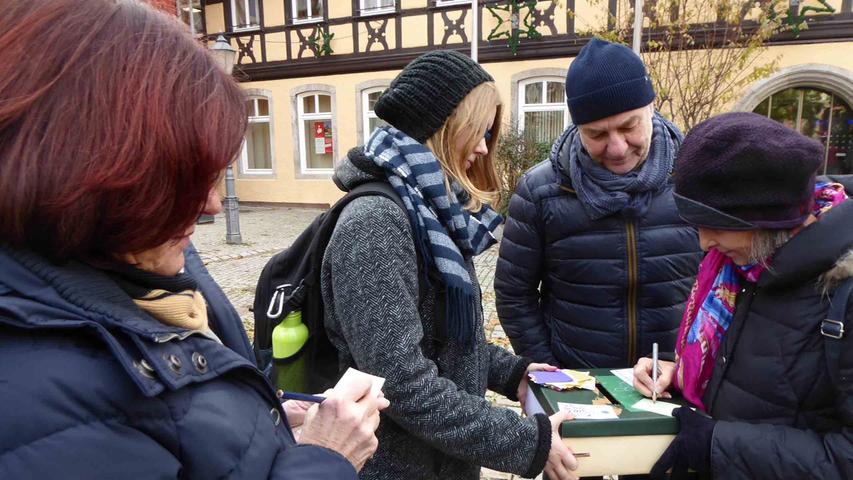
column 214, row 18
column 286, row 188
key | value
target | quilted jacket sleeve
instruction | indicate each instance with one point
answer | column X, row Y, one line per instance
column 518, row 276
column 741, row 450
column 311, row 462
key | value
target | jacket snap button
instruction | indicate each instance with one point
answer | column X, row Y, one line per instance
column 144, row 368
column 723, row 359
column 276, row 417
column 200, row 362
column 175, row 363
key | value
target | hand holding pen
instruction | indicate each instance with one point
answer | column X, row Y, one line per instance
column 653, row 387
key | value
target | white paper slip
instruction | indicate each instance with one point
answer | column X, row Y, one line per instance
column 625, row 374
column 351, row 374
column 531, row 403
column 582, row 411
column 661, row 408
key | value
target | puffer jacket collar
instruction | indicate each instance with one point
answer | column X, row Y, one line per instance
column 799, row 261
column 37, row 294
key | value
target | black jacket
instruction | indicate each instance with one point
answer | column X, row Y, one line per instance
column 780, row 414
column 93, row 387
column 585, row 293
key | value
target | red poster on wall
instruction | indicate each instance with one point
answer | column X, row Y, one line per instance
column 319, row 137
column 323, row 137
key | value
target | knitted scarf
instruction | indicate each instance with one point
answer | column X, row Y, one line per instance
column 602, row 192
column 711, row 306
column 173, row 300
column 445, row 233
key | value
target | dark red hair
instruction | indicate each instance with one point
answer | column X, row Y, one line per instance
column 114, row 126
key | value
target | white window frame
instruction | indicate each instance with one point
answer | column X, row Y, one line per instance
column 524, row 107
column 364, row 11
column 181, row 4
column 244, row 153
column 301, row 117
column 311, row 18
column 237, row 28
column 366, row 113
column 448, row 3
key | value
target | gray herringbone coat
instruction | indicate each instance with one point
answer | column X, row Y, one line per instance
column 438, row 426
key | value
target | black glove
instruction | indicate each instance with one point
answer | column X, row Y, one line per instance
column 691, row 448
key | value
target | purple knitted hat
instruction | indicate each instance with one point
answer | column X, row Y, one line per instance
column 743, row 171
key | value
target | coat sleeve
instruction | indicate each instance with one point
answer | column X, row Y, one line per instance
column 743, row 450
column 372, row 263
column 505, row 371
column 96, row 450
column 311, row 462
column 518, row 276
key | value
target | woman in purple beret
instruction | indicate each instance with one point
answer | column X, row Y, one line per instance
column 761, row 352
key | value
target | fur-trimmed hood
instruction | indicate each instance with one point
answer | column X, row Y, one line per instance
column 842, row 270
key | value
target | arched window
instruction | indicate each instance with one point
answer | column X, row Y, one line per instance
column 369, row 119
column 542, row 111
column 818, row 114
column 257, row 155
column 315, row 132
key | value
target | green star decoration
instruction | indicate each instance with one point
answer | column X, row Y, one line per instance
column 519, row 27
column 321, row 43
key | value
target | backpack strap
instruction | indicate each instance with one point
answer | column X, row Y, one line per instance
column 832, row 327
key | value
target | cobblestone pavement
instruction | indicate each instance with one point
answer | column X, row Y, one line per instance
column 266, row 230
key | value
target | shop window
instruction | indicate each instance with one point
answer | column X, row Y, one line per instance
column 820, row 115
column 315, row 131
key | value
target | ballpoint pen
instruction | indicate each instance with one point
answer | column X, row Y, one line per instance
column 655, row 372
column 300, row 396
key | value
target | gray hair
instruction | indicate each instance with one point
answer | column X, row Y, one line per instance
column 765, row 243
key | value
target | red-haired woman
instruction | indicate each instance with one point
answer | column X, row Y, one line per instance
column 119, row 355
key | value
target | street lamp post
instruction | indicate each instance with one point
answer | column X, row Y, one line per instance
column 224, row 54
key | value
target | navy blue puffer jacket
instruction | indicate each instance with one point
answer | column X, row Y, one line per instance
column 585, row 293
column 91, row 387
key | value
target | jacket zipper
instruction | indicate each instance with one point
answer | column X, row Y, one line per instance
column 632, row 292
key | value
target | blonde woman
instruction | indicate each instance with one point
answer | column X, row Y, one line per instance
column 401, row 294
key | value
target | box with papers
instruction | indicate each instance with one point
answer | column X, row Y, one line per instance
column 616, row 431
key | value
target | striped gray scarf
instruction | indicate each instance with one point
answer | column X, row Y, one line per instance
column 445, row 233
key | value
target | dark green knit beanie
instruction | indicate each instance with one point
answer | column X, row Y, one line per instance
column 427, row 91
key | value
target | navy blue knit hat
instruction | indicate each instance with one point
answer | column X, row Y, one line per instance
column 427, row 91
column 606, row 79
column 743, row 171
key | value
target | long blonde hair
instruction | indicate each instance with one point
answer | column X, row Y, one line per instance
column 469, row 122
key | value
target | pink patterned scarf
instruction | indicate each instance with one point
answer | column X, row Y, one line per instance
column 711, row 305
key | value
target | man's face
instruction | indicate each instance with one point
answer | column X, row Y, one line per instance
column 620, row 142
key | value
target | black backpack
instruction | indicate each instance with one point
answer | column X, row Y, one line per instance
column 291, row 281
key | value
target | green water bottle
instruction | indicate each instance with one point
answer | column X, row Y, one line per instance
column 288, row 338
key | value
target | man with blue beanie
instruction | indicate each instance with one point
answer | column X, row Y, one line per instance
column 595, row 263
